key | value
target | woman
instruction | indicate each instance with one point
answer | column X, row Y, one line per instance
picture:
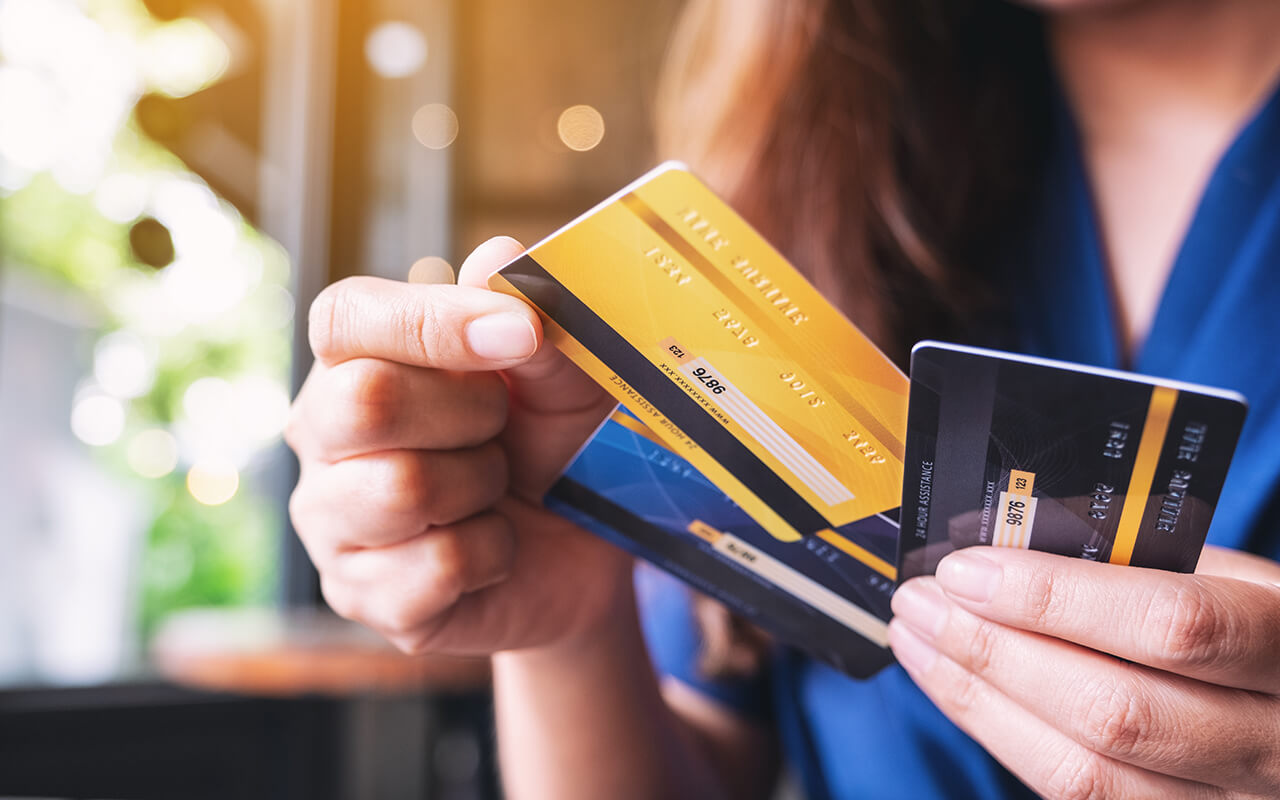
column 1095, row 180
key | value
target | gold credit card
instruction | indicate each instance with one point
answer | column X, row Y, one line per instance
column 674, row 304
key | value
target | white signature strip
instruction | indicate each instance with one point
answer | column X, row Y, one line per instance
column 785, row 448
column 804, row 588
column 774, row 439
column 751, row 418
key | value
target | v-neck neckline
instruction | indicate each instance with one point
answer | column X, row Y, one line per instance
column 1221, row 218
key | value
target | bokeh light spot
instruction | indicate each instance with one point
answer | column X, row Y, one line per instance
column 121, row 197
column 122, row 365
column 435, row 126
column 395, row 49
column 208, row 399
column 432, row 269
column 97, row 419
column 153, row 453
column 261, row 407
column 213, row 482
column 581, row 128
column 182, row 57
column 277, row 306
column 31, row 127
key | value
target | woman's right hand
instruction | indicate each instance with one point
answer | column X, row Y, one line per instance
column 428, row 430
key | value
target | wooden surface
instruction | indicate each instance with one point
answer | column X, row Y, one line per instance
column 286, row 653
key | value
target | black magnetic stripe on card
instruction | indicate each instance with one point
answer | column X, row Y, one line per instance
column 580, row 322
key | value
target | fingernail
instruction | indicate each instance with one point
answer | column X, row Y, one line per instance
column 921, row 605
column 913, row 653
column 501, row 337
column 970, row 576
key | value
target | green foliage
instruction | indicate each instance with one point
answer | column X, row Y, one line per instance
column 199, row 555
column 61, row 236
column 195, row 555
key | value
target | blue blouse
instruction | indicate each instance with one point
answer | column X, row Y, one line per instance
column 1218, row 324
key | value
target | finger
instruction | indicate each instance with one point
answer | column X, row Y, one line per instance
column 548, row 382
column 488, row 258
column 405, row 590
column 1236, row 564
column 555, row 405
column 445, row 327
column 388, row 497
column 367, row 404
column 1155, row 720
column 1218, row 630
column 1047, row 760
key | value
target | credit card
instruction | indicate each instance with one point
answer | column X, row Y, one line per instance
column 628, row 488
column 779, row 412
column 1016, row 451
column 704, row 332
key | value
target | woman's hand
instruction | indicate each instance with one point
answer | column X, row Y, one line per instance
column 1096, row 681
column 428, row 431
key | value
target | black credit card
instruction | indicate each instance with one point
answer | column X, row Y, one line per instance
column 1015, row 451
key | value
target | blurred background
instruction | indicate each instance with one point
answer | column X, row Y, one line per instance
column 178, row 179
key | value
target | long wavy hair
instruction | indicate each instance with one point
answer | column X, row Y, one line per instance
column 886, row 147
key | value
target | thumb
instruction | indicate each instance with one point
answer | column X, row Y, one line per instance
column 548, row 382
column 487, row 259
column 555, row 406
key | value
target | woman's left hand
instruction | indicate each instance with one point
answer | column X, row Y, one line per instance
column 1092, row 680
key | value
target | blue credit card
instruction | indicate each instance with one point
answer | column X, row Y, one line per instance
column 1014, row 451
column 629, row 488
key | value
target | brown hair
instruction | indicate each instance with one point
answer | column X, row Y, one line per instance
column 882, row 145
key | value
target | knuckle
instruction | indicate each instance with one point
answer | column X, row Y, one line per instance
column 966, row 692
column 425, row 638
column 981, row 647
column 367, row 392
column 407, row 487
column 1043, row 601
column 424, row 332
column 447, row 563
column 1195, row 625
column 339, row 598
column 294, row 431
column 492, row 403
column 494, row 552
column 327, row 318
column 303, row 514
column 1118, row 722
column 1258, row 757
column 1079, row 776
column 398, row 618
column 297, row 508
column 410, row 645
